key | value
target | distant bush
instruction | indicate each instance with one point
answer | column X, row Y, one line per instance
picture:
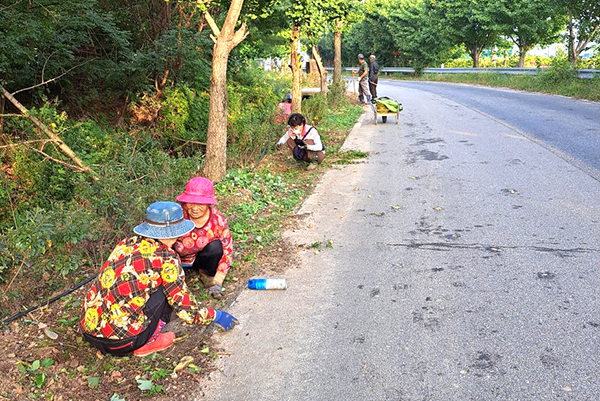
column 560, row 70
column 315, row 108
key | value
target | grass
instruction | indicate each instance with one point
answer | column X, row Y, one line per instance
column 258, row 204
column 544, row 83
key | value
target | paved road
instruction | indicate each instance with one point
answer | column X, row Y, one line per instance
column 569, row 127
column 464, row 266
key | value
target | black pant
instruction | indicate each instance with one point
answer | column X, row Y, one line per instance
column 208, row 259
column 373, row 86
column 157, row 308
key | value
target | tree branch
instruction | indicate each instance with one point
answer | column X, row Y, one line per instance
column 50, row 80
column 14, row 145
column 212, row 24
column 239, row 35
column 49, row 133
column 72, row 167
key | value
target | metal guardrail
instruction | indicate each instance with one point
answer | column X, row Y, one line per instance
column 583, row 73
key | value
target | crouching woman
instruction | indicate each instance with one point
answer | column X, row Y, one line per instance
column 139, row 286
column 303, row 140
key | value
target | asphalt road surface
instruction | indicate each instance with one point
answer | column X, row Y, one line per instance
column 463, row 262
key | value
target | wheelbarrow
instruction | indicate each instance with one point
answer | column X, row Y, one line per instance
column 384, row 107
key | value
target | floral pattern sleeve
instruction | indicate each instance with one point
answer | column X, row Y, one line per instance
column 178, row 295
column 216, row 228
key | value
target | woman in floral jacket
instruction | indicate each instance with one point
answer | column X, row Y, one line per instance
column 208, row 247
column 139, row 286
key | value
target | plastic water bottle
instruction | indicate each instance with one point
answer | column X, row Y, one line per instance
column 267, row 284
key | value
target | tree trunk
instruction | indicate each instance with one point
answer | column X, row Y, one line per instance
column 317, row 57
column 296, row 72
column 474, row 53
column 337, row 58
column 571, row 44
column 215, row 167
column 522, row 55
column 1, row 112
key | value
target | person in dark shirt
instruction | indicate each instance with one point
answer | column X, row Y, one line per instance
column 373, row 71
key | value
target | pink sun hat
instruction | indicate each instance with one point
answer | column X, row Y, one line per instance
column 198, row 190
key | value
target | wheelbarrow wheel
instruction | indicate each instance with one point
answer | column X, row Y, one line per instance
column 384, row 119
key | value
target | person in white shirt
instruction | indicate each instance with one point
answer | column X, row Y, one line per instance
column 303, row 140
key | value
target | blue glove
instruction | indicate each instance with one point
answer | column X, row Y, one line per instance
column 224, row 320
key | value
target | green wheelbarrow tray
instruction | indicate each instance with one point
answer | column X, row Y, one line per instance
column 384, row 107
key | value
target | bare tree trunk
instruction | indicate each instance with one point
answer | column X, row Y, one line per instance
column 475, row 56
column 215, row 167
column 337, row 58
column 571, row 45
column 50, row 134
column 296, row 72
column 522, row 55
column 1, row 113
column 317, row 57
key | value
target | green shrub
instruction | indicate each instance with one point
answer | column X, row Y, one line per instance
column 336, row 94
column 315, row 108
column 560, row 71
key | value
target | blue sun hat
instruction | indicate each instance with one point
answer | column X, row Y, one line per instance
column 164, row 220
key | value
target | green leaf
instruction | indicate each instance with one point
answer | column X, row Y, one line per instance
column 144, row 384
column 93, row 381
column 34, row 366
column 22, row 368
column 116, row 397
column 205, row 350
column 40, row 380
column 47, row 362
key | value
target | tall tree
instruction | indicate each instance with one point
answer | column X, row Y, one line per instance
column 339, row 15
column 299, row 13
column 225, row 39
column 583, row 25
column 528, row 23
column 468, row 22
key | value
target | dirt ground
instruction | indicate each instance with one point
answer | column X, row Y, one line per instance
column 68, row 368
column 44, row 356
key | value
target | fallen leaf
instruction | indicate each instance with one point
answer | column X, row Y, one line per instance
column 115, row 374
column 46, row 276
column 411, row 177
column 93, row 381
column 395, row 207
column 316, row 251
column 437, row 208
column 369, row 196
column 144, row 384
column 42, row 326
column 185, row 361
column 51, row 335
column 205, row 350
column 356, row 188
column 99, row 355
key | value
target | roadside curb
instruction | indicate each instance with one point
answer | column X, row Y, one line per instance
column 354, row 131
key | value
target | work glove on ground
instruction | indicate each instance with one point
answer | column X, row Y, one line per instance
column 215, row 291
column 224, row 320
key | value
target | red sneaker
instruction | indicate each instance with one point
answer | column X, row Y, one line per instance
column 163, row 341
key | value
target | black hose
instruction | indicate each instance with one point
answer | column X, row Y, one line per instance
column 48, row 302
column 262, row 155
